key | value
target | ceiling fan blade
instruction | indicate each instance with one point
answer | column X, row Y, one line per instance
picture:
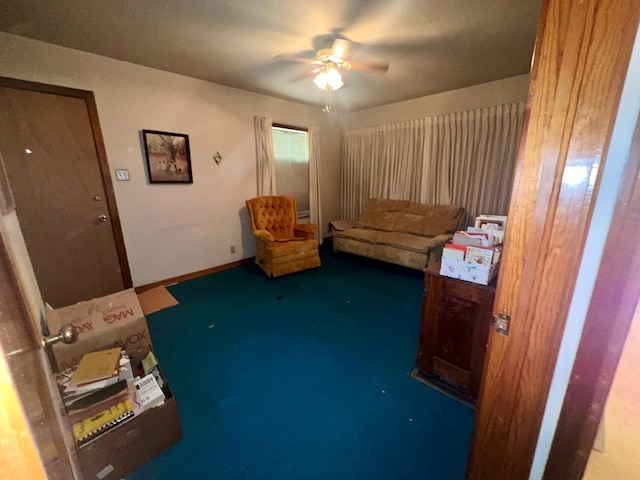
column 370, row 67
column 295, row 58
column 340, row 48
column 306, row 74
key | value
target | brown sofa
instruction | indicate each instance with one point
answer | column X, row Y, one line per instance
column 399, row 231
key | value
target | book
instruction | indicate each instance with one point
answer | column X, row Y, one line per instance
column 149, row 392
column 90, row 427
column 82, row 402
column 96, row 366
column 86, row 388
column 81, row 411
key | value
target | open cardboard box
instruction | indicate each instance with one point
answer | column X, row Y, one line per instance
column 469, row 271
column 121, row 450
column 115, row 320
column 118, row 320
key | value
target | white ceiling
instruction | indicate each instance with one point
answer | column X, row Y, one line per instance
column 431, row 45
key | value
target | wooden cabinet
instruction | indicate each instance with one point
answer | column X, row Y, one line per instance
column 454, row 330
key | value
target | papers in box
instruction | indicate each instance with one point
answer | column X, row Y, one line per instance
column 474, row 255
column 471, row 272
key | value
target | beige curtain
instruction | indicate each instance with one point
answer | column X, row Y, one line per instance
column 266, row 164
column 471, row 158
column 315, row 210
column 382, row 162
column 464, row 158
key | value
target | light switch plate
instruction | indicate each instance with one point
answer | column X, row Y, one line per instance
column 122, row 174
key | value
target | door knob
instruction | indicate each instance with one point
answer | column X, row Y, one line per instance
column 102, row 218
column 67, row 334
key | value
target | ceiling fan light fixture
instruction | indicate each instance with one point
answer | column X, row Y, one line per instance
column 330, row 77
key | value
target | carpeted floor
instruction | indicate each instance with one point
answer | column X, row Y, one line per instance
column 304, row 377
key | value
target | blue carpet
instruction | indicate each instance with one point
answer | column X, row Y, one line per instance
column 304, row 377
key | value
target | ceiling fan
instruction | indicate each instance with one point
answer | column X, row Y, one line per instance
column 329, row 61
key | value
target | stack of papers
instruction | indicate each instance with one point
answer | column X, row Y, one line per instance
column 95, row 371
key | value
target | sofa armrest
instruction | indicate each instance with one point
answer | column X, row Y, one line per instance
column 434, row 250
column 263, row 235
column 440, row 240
column 305, row 230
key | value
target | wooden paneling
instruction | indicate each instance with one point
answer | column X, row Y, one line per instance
column 453, row 332
column 580, row 61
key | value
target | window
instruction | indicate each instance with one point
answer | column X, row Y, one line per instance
column 291, row 154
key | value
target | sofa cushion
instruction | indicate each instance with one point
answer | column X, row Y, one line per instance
column 386, row 205
column 379, row 220
column 429, row 225
column 445, row 218
column 405, row 241
column 435, row 223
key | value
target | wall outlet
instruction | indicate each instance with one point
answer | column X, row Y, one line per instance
column 232, row 249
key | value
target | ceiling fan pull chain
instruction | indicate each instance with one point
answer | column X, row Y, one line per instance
column 327, row 98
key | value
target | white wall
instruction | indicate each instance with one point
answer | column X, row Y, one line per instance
column 509, row 90
column 170, row 230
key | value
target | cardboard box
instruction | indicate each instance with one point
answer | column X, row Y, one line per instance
column 115, row 320
column 471, row 272
column 118, row 320
column 121, row 450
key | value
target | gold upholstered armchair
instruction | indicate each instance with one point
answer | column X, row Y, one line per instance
column 283, row 245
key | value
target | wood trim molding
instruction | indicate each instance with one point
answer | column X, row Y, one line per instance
column 611, row 311
column 190, row 276
column 580, row 63
column 101, row 153
column 107, row 183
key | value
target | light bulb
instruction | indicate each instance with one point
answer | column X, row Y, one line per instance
column 334, row 79
column 321, row 80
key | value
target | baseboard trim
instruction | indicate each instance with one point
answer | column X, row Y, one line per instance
column 191, row 276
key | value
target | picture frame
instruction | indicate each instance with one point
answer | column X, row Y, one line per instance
column 168, row 156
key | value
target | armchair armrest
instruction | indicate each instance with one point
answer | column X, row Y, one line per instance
column 305, row 230
column 263, row 235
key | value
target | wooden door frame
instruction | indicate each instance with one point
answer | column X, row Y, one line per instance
column 611, row 310
column 580, row 65
column 20, row 458
column 101, row 153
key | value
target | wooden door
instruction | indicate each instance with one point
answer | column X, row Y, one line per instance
column 51, row 146
column 581, row 60
column 36, row 442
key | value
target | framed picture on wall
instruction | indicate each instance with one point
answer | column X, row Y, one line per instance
column 168, row 157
